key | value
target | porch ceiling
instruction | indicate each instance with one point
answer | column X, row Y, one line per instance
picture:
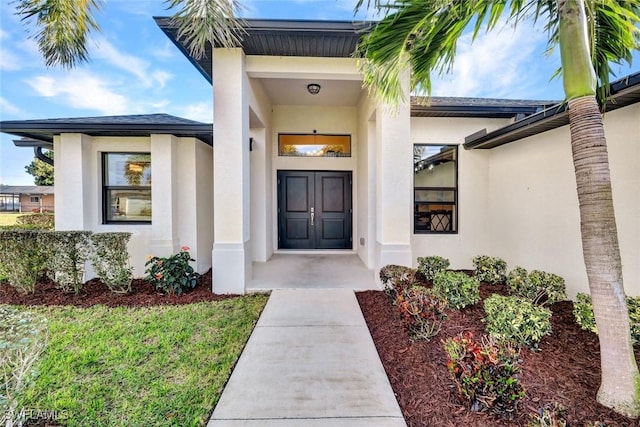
column 294, row 92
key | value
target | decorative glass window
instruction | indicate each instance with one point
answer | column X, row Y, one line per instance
column 435, row 188
column 126, row 187
column 314, row 145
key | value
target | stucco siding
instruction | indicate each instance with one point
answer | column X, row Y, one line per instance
column 473, row 192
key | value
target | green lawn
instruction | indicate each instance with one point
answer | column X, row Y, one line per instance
column 9, row 218
column 157, row 366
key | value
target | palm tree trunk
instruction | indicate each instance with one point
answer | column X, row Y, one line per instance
column 620, row 379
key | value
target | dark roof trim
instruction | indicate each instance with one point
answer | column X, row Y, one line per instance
column 624, row 92
column 278, row 37
column 475, row 107
column 45, row 130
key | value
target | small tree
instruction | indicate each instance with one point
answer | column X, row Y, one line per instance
column 41, row 171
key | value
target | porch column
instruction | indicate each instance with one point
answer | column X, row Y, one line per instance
column 164, row 195
column 73, row 176
column 231, row 251
column 394, row 180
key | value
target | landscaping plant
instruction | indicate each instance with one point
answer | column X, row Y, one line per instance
column 69, row 254
column 458, row 289
column 490, row 269
column 422, row 312
column 23, row 337
column 173, row 274
column 539, row 287
column 431, row 265
column 485, row 373
column 552, row 415
column 516, row 320
column 396, row 278
column 583, row 312
column 41, row 221
column 22, row 258
column 110, row 260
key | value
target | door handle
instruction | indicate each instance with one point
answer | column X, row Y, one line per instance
column 313, row 215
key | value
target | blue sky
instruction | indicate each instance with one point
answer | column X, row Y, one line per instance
column 135, row 69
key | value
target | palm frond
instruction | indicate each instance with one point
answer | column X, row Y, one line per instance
column 423, row 34
column 206, row 21
column 62, row 28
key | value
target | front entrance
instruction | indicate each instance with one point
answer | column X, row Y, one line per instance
column 314, row 210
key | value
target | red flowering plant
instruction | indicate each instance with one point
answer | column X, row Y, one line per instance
column 172, row 274
column 485, row 373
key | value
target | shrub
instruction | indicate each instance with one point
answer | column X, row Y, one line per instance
column 539, row 287
column 42, row 221
column 172, row 274
column 110, row 259
column 583, row 312
column 490, row 269
column 396, row 278
column 431, row 265
column 22, row 258
column 23, row 337
column 553, row 415
column 458, row 289
column 485, row 373
column 516, row 320
column 69, row 253
column 422, row 312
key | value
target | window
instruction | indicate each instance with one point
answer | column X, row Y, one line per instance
column 314, row 145
column 126, row 187
column 34, row 199
column 435, row 188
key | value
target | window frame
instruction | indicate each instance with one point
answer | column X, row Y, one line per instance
column 455, row 189
column 34, row 199
column 280, row 135
column 106, row 188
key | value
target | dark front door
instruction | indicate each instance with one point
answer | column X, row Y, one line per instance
column 314, row 210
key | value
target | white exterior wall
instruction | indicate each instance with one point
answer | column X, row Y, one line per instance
column 79, row 168
column 534, row 214
column 519, row 201
column 364, row 239
column 473, row 190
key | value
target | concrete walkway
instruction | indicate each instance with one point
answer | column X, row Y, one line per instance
column 310, row 361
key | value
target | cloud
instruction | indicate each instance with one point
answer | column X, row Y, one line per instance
column 7, row 107
column 200, row 111
column 10, row 61
column 79, row 89
column 129, row 63
column 166, row 52
column 504, row 63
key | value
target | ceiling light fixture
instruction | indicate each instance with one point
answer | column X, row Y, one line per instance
column 313, row 88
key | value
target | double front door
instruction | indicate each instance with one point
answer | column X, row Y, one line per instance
column 314, row 210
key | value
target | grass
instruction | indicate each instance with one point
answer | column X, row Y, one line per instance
column 9, row 218
column 155, row 366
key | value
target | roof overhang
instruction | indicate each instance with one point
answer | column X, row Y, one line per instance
column 624, row 92
column 475, row 107
column 41, row 132
column 324, row 39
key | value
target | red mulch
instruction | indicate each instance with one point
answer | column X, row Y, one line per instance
column 95, row 292
column 566, row 370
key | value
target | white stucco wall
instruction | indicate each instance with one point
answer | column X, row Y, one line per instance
column 533, row 210
column 473, row 189
column 79, row 169
column 519, row 202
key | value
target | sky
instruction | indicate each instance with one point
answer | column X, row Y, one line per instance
column 135, row 69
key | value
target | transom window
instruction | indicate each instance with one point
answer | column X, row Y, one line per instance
column 314, row 145
column 126, row 187
column 435, row 188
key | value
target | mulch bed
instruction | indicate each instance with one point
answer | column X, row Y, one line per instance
column 95, row 292
column 566, row 370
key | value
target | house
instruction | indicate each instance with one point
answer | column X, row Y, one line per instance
column 301, row 158
column 26, row 198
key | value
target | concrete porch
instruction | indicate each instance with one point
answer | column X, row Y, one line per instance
column 312, row 271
